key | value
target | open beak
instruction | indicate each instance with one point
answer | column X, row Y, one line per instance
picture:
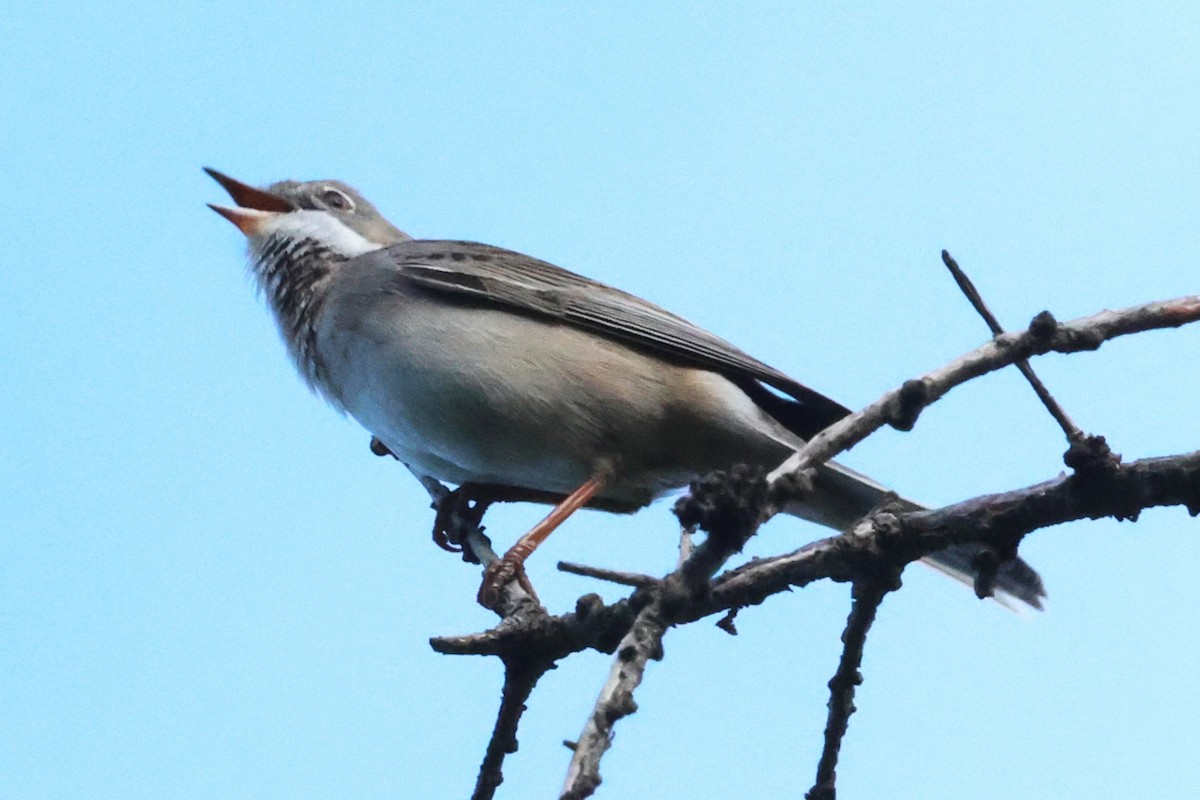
column 254, row 205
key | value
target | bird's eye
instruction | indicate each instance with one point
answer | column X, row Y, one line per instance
column 336, row 199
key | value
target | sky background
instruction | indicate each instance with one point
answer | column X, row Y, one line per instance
column 210, row 588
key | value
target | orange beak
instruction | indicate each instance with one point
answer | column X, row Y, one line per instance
column 254, row 205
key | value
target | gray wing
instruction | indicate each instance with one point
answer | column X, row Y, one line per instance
column 493, row 276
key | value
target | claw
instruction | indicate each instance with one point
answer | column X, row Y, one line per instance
column 442, row 523
column 468, row 502
column 498, row 575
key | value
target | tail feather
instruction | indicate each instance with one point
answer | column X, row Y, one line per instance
column 1015, row 580
column 843, row 496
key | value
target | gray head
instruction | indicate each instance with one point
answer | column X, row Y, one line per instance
column 299, row 235
column 343, row 202
column 266, row 211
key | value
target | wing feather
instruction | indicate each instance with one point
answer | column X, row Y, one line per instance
column 504, row 278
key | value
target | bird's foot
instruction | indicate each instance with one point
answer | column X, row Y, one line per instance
column 498, row 575
column 443, row 523
column 466, row 504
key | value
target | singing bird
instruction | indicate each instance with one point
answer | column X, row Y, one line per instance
column 484, row 367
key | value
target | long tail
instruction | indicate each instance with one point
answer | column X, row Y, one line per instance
column 844, row 496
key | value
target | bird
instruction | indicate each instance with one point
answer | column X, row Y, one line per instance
column 484, row 367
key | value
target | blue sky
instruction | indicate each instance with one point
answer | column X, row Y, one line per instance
column 210, row 588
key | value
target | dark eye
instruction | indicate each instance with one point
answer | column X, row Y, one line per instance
column 339, row 200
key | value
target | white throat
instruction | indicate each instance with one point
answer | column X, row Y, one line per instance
column 316, row 226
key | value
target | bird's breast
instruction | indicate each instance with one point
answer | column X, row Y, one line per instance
column 465, row 393
column 475, row 394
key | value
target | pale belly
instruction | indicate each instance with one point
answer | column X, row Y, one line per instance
column 487, row 396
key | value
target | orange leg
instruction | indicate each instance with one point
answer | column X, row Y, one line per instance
column 512, row 564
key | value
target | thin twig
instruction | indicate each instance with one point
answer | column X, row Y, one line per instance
column 867, row 595
column 1072, row 430
column 521, row 674
column 729, row 507
column 635, row 579
column 519, row 680
column 641, row 644
column 686, row 544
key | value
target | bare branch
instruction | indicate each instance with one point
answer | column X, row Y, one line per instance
column 867, row 596
column 901, row 407
column 989, row 519
column 976, row 299
column 640, row 645
column 521, row 671
column 519, row 680
column 730, row 508
column 634, row 579
column 996, row 520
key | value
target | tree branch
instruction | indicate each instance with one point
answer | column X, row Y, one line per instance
column 989, row 519
column 730, row 508
column 642, row 643
column 901, row 407
column 973, row 296
column 867, row 596
column 519, row 679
